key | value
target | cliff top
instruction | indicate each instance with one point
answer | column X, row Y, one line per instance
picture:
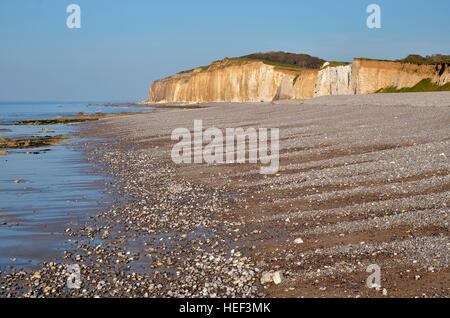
column 296, row 62
column 285, row 58
column 417, row 59
column 280, row 59
column 432, row 59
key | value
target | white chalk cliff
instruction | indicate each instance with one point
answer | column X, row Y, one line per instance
column 334, row 81
column 243, row 80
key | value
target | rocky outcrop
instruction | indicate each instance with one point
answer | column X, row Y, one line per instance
column 250, row 80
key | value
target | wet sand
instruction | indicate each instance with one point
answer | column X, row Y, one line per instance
column 363, row 180
column 42, row 190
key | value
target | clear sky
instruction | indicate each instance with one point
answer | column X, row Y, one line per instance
column 123, row 46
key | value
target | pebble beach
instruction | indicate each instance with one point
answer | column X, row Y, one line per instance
column 363, row 180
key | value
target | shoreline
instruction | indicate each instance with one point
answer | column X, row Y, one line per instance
column 54, row 189
column 359, row 185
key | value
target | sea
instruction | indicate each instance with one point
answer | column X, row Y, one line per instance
column 43, row 191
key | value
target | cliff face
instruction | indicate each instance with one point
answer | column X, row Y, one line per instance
column 334, row 81
column 369, row 76
column 246, row 80
column 234, row 81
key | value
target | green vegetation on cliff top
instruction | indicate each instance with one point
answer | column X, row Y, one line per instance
column 292, row 61
column 286, row 59
column 425, row 85
column 335, row 63
column 433, row 59
column 417, row 59
column 283, row 60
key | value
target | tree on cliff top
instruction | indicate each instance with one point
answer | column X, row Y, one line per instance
column 432, row 59
column 301, row 60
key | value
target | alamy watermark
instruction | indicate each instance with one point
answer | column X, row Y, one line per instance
column 208, row 146
column 374, row 279
column 74, row 19
column 374, row 19
column 73, row 276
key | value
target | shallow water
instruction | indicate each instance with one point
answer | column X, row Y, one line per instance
column 44, row 190
column 9, row 112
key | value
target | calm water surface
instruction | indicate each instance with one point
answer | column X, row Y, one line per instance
column 45, row 190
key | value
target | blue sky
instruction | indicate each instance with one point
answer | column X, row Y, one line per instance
column 123, row 46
